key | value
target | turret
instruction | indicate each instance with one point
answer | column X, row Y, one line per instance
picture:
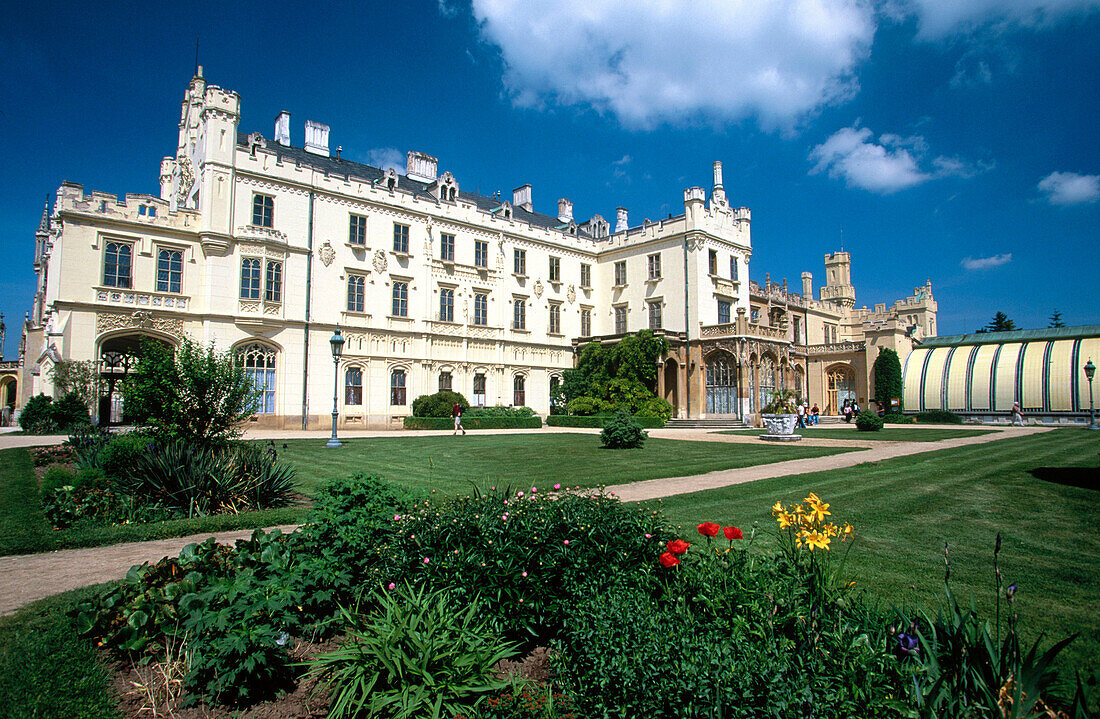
column 838, row 280
column 807, row 285
column 718, row 193
column 621, row 224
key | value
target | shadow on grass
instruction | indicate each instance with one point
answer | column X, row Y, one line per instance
column 1082, row 477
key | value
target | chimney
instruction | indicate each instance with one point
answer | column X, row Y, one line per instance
column 718, row 193
column 621, row 224
column 565, row 210
column 282, row 129
column 807, row 286
column 316, row 138
column 421, row 166
column 521, row 197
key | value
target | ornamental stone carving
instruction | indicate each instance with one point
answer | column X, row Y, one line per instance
column 571, row 294
column 138, row 319
column 538, row 288
column 326, row 253
column 186, row 180
column 379, row 261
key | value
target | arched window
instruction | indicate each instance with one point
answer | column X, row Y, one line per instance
column 555, row 400
column 767, row 379
column 258, row 361
column 397, row 387
column 518, row 395
column 353, row 386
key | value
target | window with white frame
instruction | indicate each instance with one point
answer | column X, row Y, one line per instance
column 397, row 387
column 620, row 320
column 519, row 396
column 263, row 210
column 117, row 261
column 353, row 386
column 519, row 313
column 481, row 308
column 400, row 238
column 586, row 275
column 481, row 253
column 733, row 268
column 723, row 312
column 555, row 318
column 653, row 264
column 519, row 262
column 356, row 293
column 169, row 271
column 258, row 362
column 555, row 269
column 400, row 299
column 250, row 278
column 273, row 282
column 712, row 262
column 586, row 322
column 655, row 314
column 446, row 247
column 620, row 273
column 479, row 389
column 446, row 305
column 357, row 230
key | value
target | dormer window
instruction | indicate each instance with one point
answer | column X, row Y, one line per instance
column 445, row 188
column 389, row 179
column 504, row 210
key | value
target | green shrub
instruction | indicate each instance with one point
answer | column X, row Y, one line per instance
column 56, row 477
column 623, row 432
column 421, row 655
column 121, row 455
column 353, row 516
column 36, row 416
column 888, row 380
column 868, row 421
column 440, row 404
column 528, row 700
column 587, row 406
column 69, row 412
column 898, row 418
column 655, row 407
column 598, row 421
column 498, row 412
column 938, row 416
column 473, row 422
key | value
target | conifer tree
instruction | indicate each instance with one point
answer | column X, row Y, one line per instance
column 888, row 383
column 1056, row 320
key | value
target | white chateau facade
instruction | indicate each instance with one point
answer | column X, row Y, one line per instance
column 265, row 248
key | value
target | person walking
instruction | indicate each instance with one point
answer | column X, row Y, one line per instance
column 1017, row 414
column 847, row 411
column 456, row 412
column 802, row 415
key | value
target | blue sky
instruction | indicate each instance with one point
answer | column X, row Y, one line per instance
column 946, row 139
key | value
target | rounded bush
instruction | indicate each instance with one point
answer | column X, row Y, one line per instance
column 622, row 431
column 69, row 412
column 36, row 416
column 868, row 421
column 587, row 406
column 439, row 404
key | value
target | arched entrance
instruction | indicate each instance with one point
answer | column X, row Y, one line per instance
column 672, row 379
column 840, row 385
column 766, row 378
column 721, row 384
column 117, row 356
column 7, row 400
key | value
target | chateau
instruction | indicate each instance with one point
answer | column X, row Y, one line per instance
column 264, row 247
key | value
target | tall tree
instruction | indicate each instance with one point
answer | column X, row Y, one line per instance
column 888, row 384
column 999, row 323
column 1056, row 320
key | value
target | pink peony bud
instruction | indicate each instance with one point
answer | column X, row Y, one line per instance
column 426, row 560
column 391, row 585
column 557, row 486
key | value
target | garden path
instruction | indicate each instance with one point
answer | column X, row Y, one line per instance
column 27, row 578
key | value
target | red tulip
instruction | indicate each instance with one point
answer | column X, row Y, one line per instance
column 733, row 533
column 678, row 546
column 667, row 560
column 708, row 529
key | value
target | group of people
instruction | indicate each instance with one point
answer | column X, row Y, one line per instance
column 808, row 416
column 849, row 409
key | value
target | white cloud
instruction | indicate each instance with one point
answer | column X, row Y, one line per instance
column 985, row 263
column 891, row 164
column 654, row 62
column 1069, row 188
column 938, row 19
column 387, row 158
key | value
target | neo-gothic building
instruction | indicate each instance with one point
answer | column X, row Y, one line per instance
column 265, row 248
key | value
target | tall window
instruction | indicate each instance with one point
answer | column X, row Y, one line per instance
column 723, row 312
column 518, row 395
column 273, row 291
column 444, row 381
column 586, row 322
column 356, row 293
column 555, row 319
column 263, row 210
column 620, row 320
column 754, row 315
column 796, row 325
column 655, row 315
column 353, row 386
column 586, row 275
column 397, row 387
column 555, row 269
column 446, row 247
column 733, row 268
column 258, row 362
column 169, row 270
column 400, row 299
column 401, row 238
column 481, row 253
column 519, row 314
column 479, row 390
column 712, row 263
column 250, row 278
column 357, row 230
column 446, row 305
column 116, row 265
column 653, row 262
column 519, row 262
column 620, row 273
column 481, row 308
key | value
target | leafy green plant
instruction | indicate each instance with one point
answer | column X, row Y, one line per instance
column 479, row 412
column 895, row 418
column 622, row 431
column 440, row 404
column 36, row 416
column 527, row 700
column 888, row 381
column 475, row 422
column 938, row 416
column 868, row 421
column 782, row 401
column 353, row 516
column 420, row 655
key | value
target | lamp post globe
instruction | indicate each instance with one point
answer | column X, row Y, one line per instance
column 337, row 344
column 1090, row 371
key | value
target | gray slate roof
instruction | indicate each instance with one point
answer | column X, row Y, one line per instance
column 986, row 338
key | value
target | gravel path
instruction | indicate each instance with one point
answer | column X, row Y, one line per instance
column 26, row 578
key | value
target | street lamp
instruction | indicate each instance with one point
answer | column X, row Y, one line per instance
column 337, row 343
column 1090, row 370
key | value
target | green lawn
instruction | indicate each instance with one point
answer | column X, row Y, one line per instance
column 449, row 464
column 1039, row 491
column 887, row 433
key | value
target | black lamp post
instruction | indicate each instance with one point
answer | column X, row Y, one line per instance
column 1090, row 370
column 337, row 342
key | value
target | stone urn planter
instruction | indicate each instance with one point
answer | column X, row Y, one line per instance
column 780, row 427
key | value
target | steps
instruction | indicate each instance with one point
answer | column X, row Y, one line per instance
column 707, row 424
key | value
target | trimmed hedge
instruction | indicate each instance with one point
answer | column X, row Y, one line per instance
column 938, row 416
column 598, row 421
column 474, row 422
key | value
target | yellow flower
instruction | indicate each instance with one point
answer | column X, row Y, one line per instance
column 785, row 520
column 817, row 540
column 812, row 499
column 846, row 533
column 777, row 508
column 830, row 529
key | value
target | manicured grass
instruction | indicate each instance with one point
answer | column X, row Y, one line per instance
column 22, row 526
column 1040, row 492
column 47, row 669
column 887, row 433
column 450, row 465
